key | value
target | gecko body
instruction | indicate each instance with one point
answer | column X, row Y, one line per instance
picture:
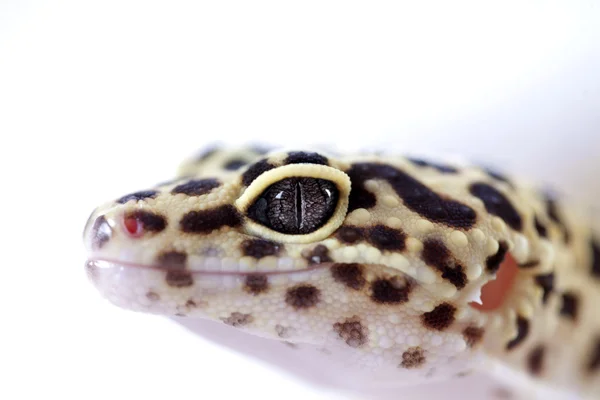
column 402, row 271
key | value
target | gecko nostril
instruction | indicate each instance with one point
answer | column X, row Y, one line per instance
column 101, row 233
column 133, row 226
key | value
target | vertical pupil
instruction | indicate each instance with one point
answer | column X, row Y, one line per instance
column 296, row 205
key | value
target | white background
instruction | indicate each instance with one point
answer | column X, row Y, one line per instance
column 101, row 98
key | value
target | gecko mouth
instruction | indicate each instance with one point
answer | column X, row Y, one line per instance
column 237, row 269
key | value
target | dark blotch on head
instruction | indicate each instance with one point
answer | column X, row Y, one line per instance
column 440, row 318
column 179, row 278
column 473, row 335
column 493, row 262
column 390, row 291
column 350, row 234
column 535, row 360
column 350, row 275
column 150, row 221
column 256, row 284
column 206, row 221
column 546, row 282
column 318, row 255
column 593, row 365
column 175, row 262
column 445, row 169
column 234, row 164
column 301, row 157
column 436, row 254
column 142, row 195
column 415, row 195
column 196, row 187
column 172, row 259
column 259, row 248
column 522, row 332
column 385, row 238
column 540, row 228
column 303, row 296
column 497, row 204
column 238, row 319
column 595, row 258
column 255, row 170
column 101, row 233
column 570, row 305
column 413, row 357
column 352, row 331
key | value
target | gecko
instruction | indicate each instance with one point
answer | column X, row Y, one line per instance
column 398, row 271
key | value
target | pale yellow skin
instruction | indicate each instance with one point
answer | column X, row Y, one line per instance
column 432, row 333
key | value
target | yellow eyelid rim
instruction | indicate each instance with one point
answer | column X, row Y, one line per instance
column 267, row 178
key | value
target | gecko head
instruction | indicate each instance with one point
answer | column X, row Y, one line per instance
column 361, row 254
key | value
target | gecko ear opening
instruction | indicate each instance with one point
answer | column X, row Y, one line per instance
column 493, row 293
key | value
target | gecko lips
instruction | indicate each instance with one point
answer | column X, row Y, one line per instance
column 494, row 292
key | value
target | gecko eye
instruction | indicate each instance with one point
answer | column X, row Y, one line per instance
column 133, row 226
column 297, row 205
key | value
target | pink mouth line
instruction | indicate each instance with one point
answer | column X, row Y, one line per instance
column 99, row 263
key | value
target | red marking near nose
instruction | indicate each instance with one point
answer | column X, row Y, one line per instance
column 494, row 292
column 133, row 226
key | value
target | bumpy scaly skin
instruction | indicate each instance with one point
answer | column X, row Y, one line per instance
column 385, row 283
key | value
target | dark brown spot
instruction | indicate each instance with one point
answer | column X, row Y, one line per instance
column 522, row 332
column 350, row 275
column 554, row 214
column 318, row 255
column 593, row 365
column 259, row 248
column 190, row 304
column 546, row 282
column 283, row 332
column 415, row 195
column 141, row 195
column 301, row 157
column 350, row 234
column 172, row 259
column 595, row 258
column 413, row 357
column 473, row 335
column 150, row 221
column 385, row 238
column 540, row 228
column 535, row 360
column 440, row 318
column 196, row 187
column 436, row 254
column 497, row 204
column 493, row 262
column 570, row 306
column 390, row 291
column 256, row 284
column 303, row 296
column 101, row 233
column 179, row 278
column 206, row 221
column 445, row 169
column 152, row 296
column 238, row 319
column 234, row 164
column 255, row 170
column 352, row 331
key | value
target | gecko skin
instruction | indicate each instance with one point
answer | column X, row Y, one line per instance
column 401, row 270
